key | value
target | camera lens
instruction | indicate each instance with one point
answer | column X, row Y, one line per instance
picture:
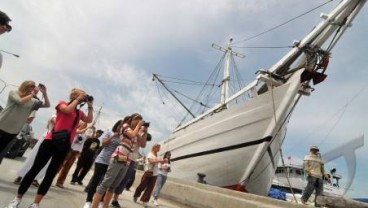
column 89, row 98
column 146, row 124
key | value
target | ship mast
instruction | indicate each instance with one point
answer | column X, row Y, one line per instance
column 225, row 82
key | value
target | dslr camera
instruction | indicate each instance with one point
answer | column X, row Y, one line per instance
column 40, row 85
column 146, row 124
column 88, row 98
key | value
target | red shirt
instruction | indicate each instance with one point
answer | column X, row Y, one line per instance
column 64, row 121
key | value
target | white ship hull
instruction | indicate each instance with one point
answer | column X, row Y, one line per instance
column 239, row 145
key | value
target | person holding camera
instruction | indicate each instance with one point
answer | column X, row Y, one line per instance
column 20, row 105
column 149, row 177
column 73, row 154
column 139, row 141
column 55, row 146
column 110, row 140
column 120, row 160
column 4, row 23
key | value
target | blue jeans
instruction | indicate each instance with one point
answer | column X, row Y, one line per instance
column 313, row 184
column 160, row 182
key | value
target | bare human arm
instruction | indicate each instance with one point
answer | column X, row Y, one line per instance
column 133, row 133
column 81, row 131
column 155, row 160
column 107, row 140
column 142, row 137
column 89, row 117
column 43, row 90
column 70, row 107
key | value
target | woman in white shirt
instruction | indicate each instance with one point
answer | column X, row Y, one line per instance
column 149, row 177
column 163, row 170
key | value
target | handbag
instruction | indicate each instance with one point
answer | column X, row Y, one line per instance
column 61, row 139
column 120, row 157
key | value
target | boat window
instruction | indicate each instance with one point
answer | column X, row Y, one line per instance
column 299, row 172
column 279, row 170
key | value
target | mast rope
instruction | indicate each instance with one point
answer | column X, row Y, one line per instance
column 189, row 98
column 282, row 24
column 337, row 113
column 183, row 80
column 287, row 177
column 344, row 108
column 281, row 155
column 261, row 47
column 174, row 108
column 240, row 81
column 334, row 37
column 214, row 74
column 159, row 93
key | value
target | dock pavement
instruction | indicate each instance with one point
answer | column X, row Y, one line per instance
column 72, row 196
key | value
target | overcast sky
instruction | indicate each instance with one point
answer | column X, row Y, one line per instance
column 111, row 48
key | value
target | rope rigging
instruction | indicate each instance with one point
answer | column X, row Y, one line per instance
column 339, row 114
column 282, row 24
column 180, row 81
column 213, row 76
column 210, row 88
column 261, row 47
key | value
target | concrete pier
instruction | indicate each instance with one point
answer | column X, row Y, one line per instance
column 175, row 194
column 198, row 195
column 72, row 196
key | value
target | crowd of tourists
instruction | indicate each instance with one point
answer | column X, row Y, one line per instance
column 70, row 136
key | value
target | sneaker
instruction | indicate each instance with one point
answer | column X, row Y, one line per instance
column 14, row 203
column 135, row 199
column 87, row 205
column 100, row 204
column 35, row 183
column 34, row 205
column 72, row 182
column 155, row 202
column 145, row 204
column 115, row 204
column 60, row 185
column 80, row 183
column 17, row 180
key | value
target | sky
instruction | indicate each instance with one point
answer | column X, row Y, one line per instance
column 111, row 48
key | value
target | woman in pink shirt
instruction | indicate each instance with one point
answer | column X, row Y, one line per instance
column 67, row 116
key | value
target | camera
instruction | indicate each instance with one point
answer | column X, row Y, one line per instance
column 88, row 98
column 146, row 124
column 79, row 138
column 149, row 137
column 40, row 85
